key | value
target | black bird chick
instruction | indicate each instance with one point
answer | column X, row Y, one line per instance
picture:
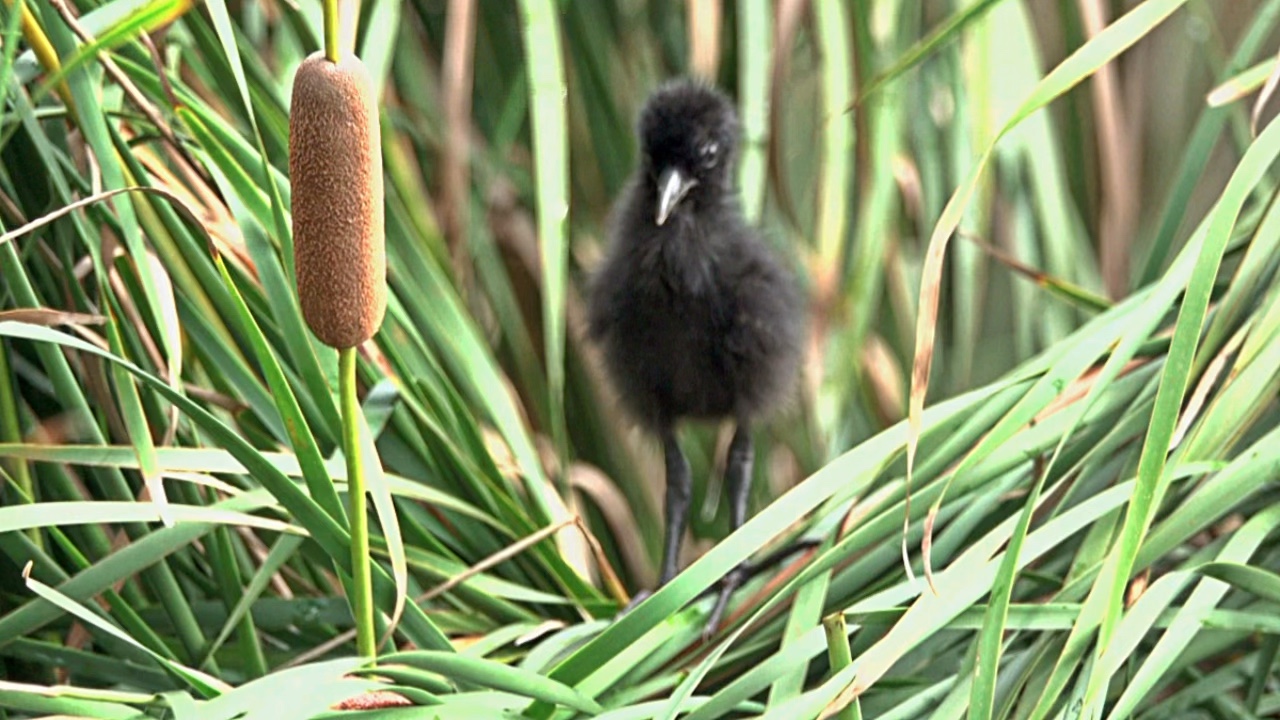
column 694, row 315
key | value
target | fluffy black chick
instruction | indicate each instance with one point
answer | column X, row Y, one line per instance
column 694, row 315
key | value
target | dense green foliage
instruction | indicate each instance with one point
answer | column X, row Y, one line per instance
column 1076, row 258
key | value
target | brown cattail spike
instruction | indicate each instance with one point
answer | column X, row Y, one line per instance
column 335, row 166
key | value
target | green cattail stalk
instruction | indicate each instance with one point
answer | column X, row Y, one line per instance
column 335, row 166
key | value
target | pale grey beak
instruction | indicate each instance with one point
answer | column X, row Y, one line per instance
column 672, row 187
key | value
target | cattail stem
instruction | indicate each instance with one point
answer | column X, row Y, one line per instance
column 332, row 44
column 361, row 573
column 336, row 168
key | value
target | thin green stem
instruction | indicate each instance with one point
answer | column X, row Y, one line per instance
column 840, row 656
column 11, row 432
column 332, row 44
column 362, row 577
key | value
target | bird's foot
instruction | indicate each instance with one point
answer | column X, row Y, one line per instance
column 744, row 572
column 728, row 584
column 636, row 599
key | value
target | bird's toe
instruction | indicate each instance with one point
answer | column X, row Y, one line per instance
column 728, row 584
column 635, row 600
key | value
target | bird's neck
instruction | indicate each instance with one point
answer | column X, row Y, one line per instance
column 686, row 249
column 704, row 205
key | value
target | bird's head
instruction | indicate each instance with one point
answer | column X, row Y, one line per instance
column 688, row 139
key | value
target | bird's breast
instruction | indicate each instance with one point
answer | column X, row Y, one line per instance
column 682, row 263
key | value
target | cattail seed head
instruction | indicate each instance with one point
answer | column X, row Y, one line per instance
column 335, row 167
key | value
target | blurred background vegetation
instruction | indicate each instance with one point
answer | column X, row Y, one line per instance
column 1092, row 498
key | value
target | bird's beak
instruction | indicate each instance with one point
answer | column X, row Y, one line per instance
column 672, row 187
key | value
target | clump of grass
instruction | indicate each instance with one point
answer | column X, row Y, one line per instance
column 1093, row 482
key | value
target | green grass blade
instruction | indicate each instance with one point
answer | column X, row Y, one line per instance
column 491, row 674
column 551, row 162
column 755, row 31
column 837, row 143
column 206, row 685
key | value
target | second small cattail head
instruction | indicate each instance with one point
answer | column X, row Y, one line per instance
column 335, row 167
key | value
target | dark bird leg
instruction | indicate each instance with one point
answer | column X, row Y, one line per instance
column 737, row 474
column 679, row 494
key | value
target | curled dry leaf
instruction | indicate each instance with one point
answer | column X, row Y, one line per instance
column 1260, row 104
column 373, row 700
column 589, row 480
column 49, row 317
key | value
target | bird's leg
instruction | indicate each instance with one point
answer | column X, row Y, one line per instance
column 737, row 473
column 679, row 493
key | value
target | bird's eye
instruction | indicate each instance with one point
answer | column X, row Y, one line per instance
column 709, row 153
